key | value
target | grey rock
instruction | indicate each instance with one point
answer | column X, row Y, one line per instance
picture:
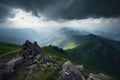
column 47, row 58
column 98, row 77
column 71, row 71
column 8, row 68
column 31, row 67
column 31, row 50
column 12, row 63
column 29, row 56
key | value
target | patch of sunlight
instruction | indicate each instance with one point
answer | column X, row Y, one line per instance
column 70, row 46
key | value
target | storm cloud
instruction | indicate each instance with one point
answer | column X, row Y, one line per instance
column 62, row 9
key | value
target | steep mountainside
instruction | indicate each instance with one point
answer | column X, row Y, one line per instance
column 99, row 52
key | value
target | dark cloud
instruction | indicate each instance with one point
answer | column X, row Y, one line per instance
column 92, row 8
column 66, row 9
column 5, row 12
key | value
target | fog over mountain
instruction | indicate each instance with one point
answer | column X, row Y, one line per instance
column 46, row 37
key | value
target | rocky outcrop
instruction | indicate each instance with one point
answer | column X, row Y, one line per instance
column 29, row 55
column 100, row 76
column 30, row 51
column 71, row 71
column 8, row 68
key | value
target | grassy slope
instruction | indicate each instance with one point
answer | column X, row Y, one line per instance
column 62, row 56
column 90, row 54
column 7, row 49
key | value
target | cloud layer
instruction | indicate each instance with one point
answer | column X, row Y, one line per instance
column 62, row 9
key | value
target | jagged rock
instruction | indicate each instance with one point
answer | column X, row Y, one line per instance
column 71, row 71
column 13, row 63
column 30, row 54
column 53, row 67
column 38, row 57
column 98, row 77
column 8, row 68
column 31, row 67
column 47, row 58
column 31, row 50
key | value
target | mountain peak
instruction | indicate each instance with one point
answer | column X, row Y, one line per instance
column 93, row 35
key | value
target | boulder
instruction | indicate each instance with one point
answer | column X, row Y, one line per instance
column 98, row 77
column 31, row 50
column 31, row 67
column 71, row 71
column 8, row 68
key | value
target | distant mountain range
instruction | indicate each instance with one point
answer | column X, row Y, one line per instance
column 64, row 37
column 18, row 36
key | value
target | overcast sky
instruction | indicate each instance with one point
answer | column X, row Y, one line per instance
column 83, row 14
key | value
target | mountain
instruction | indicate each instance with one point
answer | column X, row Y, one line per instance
column 99, row 52
column 108, row 35
column 66, row 38
column 63, row 38
column 60, row 37
column 72, row 32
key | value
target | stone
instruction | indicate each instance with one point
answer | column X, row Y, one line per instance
column 31, row 50
column 47, row 58
column 8, row 68
column 31, row 67
column 71, row 71
column 29, row 56
column 98, row 77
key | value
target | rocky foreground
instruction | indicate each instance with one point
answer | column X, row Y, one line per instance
column 31, row 55
column 71, row 71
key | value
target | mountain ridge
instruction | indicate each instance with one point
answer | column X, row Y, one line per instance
column 51, row 67
column 98, row 52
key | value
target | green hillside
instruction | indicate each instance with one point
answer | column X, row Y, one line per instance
column 62, row 56
column 7, row 49
column 58, row 55
column 100, row 54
